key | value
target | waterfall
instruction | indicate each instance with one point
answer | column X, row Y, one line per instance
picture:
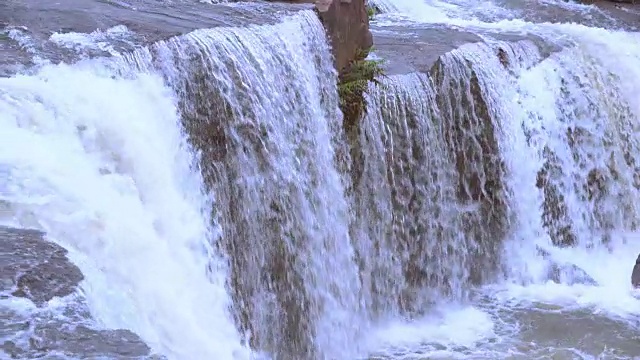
column 269, row 147
column 557, row 103
column 433, row 200
column 579, row 119
column 536, row 144
column 162, row 166
column 406, row 200
column 208, row 190
column 104, row 168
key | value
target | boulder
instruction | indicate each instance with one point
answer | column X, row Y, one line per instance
column 565, row 273
column 569, row 274
column 33, row 268
column 347, row 26
column 38, row 271
column 635, row 274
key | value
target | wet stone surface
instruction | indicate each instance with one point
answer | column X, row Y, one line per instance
column 33, row 268
column 153, row 20
column 41, row 313
column 407, row 50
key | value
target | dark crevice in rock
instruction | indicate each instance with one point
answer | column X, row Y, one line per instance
column 555, row 216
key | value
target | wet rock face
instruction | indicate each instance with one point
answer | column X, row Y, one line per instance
column 44, row 335
column 347, row 25
column 635, row 275
column 34, row 271
column 33, row 268
column 565, row 273
column 473, row 144
column 569, row 274
column 555, row 216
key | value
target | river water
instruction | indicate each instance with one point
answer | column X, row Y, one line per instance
column 191, row 158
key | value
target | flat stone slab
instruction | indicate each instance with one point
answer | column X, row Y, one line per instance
column 417, row 48
column 154, row 20
column 33, row 324
column 33, row 268
column 411, row 49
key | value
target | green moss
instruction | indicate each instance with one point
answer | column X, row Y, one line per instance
column 371, row 12
column 353, row 82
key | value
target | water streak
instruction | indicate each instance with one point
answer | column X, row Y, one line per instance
column 104, row 168
column 269, row 148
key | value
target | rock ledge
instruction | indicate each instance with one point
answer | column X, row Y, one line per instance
column 34, row 269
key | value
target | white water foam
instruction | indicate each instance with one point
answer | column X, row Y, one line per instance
column 100, row 163
column 615, row 86
column 21, row 36
column 439, row 12
column 441, row 334
column 97, row 40
column 488, row 15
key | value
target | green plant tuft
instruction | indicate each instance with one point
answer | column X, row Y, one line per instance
column 371, row 12
column 353, row 82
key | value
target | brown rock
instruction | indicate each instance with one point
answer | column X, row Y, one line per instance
column 472, row 140
column 347, row 25
column 33, row 268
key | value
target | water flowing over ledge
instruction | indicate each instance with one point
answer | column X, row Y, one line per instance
column 217, row 205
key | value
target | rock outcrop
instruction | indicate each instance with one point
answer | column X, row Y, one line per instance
column 37, row 270
column 569, row 274
column 565, row 273
column 635, row 275
column 347, row 25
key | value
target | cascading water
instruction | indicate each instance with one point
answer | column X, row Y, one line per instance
column 146, row 213
column 204, row 184
column 422, row 210
column 104, row 169
column 558, row 117
column 269, row 148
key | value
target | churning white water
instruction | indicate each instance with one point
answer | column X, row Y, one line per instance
column 100, row 163
column 582, row 89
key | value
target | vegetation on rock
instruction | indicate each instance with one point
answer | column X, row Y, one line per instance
column 372, row 11
column 352, row 84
